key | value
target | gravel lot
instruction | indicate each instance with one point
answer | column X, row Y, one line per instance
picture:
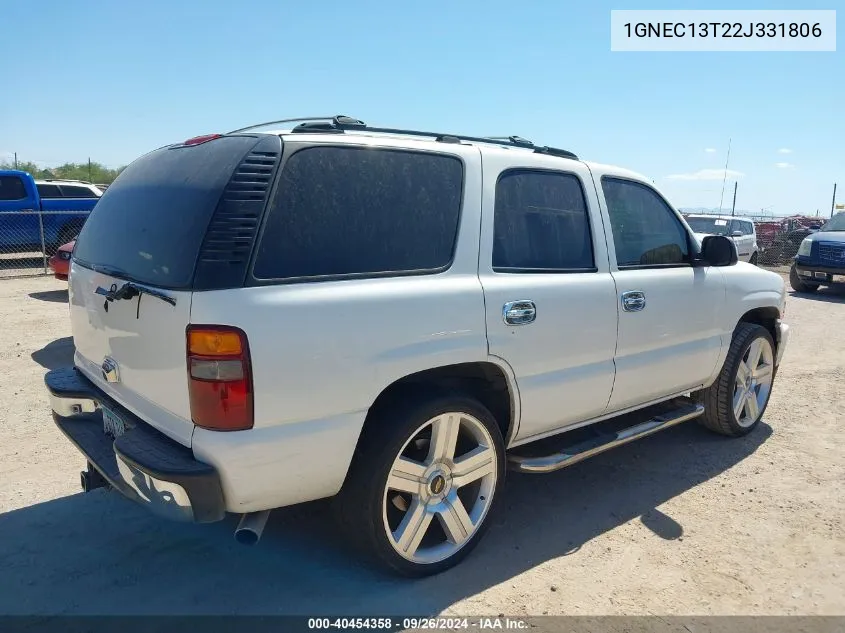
column 683, row 522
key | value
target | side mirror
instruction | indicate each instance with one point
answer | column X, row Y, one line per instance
column 718, row 250
column 815, row 227
column 737, row 234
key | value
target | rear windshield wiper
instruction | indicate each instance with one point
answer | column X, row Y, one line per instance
column 130, row 290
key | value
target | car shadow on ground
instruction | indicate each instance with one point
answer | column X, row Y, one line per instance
column 100, row 554
column 52, row 296
column 827, row 294
column 59, row 353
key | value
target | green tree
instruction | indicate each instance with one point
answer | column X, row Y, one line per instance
column 90, row 172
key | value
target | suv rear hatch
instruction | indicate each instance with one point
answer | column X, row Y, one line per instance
column 179, row 219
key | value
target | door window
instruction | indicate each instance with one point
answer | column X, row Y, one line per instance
column 646, row 231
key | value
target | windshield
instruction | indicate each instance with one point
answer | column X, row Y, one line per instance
column 836, row 223
column 712, row 226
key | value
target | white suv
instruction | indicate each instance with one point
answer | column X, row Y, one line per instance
column 392, row 318
column 740, row 230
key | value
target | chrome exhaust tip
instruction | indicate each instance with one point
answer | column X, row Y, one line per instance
column 250, row 527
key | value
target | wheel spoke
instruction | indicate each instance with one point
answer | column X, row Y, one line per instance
column 742, row 373
column 406, row 476
column 444, row 437
column 751, row 405
column 754, row 353
column 476, row 464
column 740, row 396
column 413, row 527
column 763, row 371
column 455, row 520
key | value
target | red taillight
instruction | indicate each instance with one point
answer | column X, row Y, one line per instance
column 219, row 378
column 205, row 138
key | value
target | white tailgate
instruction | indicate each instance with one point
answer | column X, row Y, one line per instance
column 149, row 350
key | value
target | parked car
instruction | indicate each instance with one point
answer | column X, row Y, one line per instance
column 41, row 215
column 821, row 257
column 60, row 261
column 53, row 188
column 391, row 318
column 740, row 230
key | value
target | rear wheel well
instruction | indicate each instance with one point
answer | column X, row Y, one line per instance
column 767, row 317
column 486, row 382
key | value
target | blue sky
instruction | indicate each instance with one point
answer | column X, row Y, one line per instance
column 112, row 80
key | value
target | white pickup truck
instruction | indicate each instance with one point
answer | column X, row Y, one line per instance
column 392, row 318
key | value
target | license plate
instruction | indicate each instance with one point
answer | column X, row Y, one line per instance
column 821, row 275
column 113, row 424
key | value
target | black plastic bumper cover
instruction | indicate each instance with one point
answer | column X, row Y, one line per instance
column 141, row 446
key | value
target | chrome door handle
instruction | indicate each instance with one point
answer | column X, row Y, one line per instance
column 519, row 312
column 633, row 300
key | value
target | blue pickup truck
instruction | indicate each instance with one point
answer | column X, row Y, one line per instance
column 41, row 214
column 821, row 257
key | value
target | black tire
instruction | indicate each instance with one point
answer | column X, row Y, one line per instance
column 359, row 504
column 753, row 260
column 799, row 285
column 717, row 399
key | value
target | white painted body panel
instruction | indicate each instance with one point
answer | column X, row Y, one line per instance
column 563, row 361
column 149, row 350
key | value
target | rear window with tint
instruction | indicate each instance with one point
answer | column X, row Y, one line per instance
column 150, row 223
column 343, row 211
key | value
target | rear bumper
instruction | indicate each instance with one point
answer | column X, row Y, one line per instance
column 142, row 464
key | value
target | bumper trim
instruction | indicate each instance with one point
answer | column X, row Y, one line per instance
column 783, row 339
column 142, row 464
column 811, row 268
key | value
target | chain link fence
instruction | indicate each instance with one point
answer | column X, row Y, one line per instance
column 28, row 239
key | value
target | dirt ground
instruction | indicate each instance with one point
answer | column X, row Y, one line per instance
column 683, row 522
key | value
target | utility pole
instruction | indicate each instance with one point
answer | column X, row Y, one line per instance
column 16, row 162
column 833, row 201
column 733, row 206
column 89, row 169
column 727, row 160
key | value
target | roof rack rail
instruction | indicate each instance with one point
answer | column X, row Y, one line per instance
column 340, row 124
column 336, row 119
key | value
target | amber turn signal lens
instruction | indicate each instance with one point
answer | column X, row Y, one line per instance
column 214, row 343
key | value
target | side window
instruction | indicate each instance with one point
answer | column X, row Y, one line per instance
column 540, row 223
column 749, row 228
column 11, row 188
column 49, row 191
column 646, row 232
column 75, row 191
column 357, row 211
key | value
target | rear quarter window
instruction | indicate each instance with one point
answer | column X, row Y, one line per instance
column 348, row 211
column 12, row 188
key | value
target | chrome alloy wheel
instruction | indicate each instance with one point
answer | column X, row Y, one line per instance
column 439, row 488
column 753, row 382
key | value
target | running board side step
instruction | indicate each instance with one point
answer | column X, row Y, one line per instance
column 682, row 409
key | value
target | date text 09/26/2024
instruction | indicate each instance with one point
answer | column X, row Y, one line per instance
column 419, row 624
